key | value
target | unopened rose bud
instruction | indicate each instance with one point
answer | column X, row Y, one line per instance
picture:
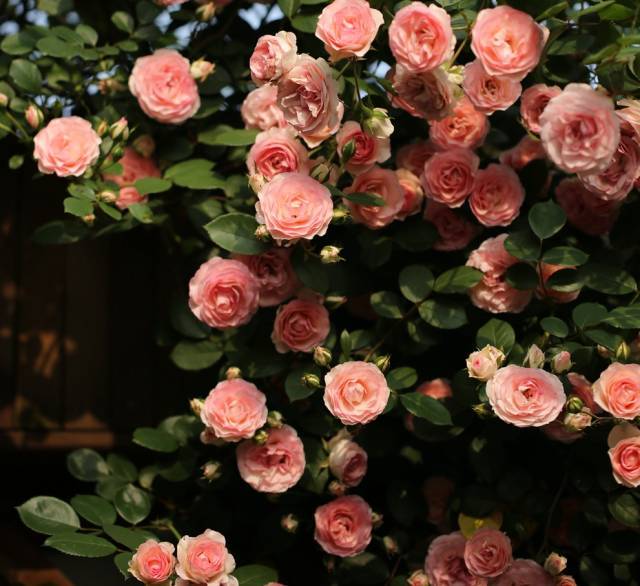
column 334, row 301
column 555, row 564
column 120, row 129
column 623, row 351
column 534, row 357
column 117, row 151
column 206, row 12
column 336, row 488
column 311, row 381
column 275, row 419
column 483, row 410
column 378, row 124
column 561, row 362
column 261, row 437
column 577, row 421
column 574, row 404
column 483, row 364
column 322, row 356
column 320, row 172
column 196, row 406
column 418, row 578
column 603, row 352
column 4, row 100
column 212, row 470
column 290, row 523
column 102, row 128
column 383, row 362
column 377, row 519
column 330, row 254
column 34, row 116
column 232, row 372
column 262, row 233
column 390, row 545
column 341, row 214
column 107, row 196
column 144, row 145
column 201, row 69
column 455, row 74
column 89, row 219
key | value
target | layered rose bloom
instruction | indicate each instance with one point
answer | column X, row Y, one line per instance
column 343, row 526
column 348, row 27
column 526, row 397
column 465, row 127
column 524, row 573
column 205, row 560
column 449, row 176
column 545, row 270
column 412, row 192
column 487, row 553
column 260, row 109
column 347, row 460
column 308, row 98
column 497, row 196
column 527, row 150
column 421, row 37
column 445, row 564
column 579, row 130
column 455, row 232
column 276, row 464
column 235, row 409
column 224, row 293
column 134, row 167
column 272, row 57
column 507, row 42
column 487, row 92
column 153, row 562
column 427, row 94
column 617, row 390
column 413, row 156
column 624, row 453
column 300, row 326
column 66, row 146
column 293, row 206
column 533, row 102
column 368, row 150
column 164, row 87
column 355, row 392
column 483, row 364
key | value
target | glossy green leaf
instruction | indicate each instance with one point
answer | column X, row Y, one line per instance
column 546, row 219
column 94, row 509
column 235, row 232
column 48, row 515
column 498, row 333
column 155, row 439
column 81, row 545
column 415, row 282
column 426, row 408
column 132, row 504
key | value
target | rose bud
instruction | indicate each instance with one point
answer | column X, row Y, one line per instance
column 378, row 123
column 34, row 116
column 212, row 470
column 483, row 364
column 290, row 523
column 201, row 69
column 561, row 362
column 534, row 357
column 330, row 254
column 322, row 356
column 555, row 564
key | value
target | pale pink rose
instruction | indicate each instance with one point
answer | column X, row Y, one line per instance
column 445, row 565
column 205, row 560
column 545, row 270
column 487, row 92
column 224, row 293
column 382, row 182
column 437, row 491
column 624, row 453
column 413, row 156
column 272, row 57
column 66, row 146
column 275, row 465
column 165, row 89
column 493, row 293
column 300, row 326
column 497, row 196
column 235, row 409
column 308, row 98
column 355, row 392
column 134, row 167
column 555, row 564
column 527, row 150
column 275, row 151
column 585, row 210
column 260, row 109
column 427, row 94
column 343, row 526
column 526, row 397
column 421, row 37
column 565, row 581
column 418, row 578
column 487, row 553
column 617, row 390
column 455, row 232
column 274, row 272
column 369, row 150
column 412, row 193
column 348, row 27
column 533, row 102
column 347, row 460
column 579, row 130
column 153, row 562
column 465, row 127
column 508, row 42
column 524, row 573
column 581, row 387
column 449, row 176
column 557, row 431
column 483, row 364
column 294, row 206
column 438, row 388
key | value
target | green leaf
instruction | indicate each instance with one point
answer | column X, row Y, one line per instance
column 227, row 136
column 592, row 572
column 81, row 545
column 152, row 185
column 555, row 326
column 565, row 281
column 552, row 11
column 108, row 487
column 56, row 47
column 48, row 515
column 625, row 509
column 289, row 7
column 566, row 256
column 523, row 245
column 310, row 270
column 122, row 468
column 457, row 280
column 416, row 282
column 194, row 174
column 78, row 207
column 235, row 232
column 123, row 21
column 426, row 408
column 88, row 34
column 196, row 355
column 132, row 503
column 128, row 537
column 155, row 439
column 415, row 235
column 624, row 317
column 387, row 304
column 94, row 509
column 363, row 569
column 605, row 338
column 574, row 14
column 255, row 575
column 608, row 279
column 16, row 161
column 522, row 276
column 294, row 387
column 110, row 211
column 588, row 314
column 366, row 199
column 496, row 333
column 546, row 219
column 121, row 560
column 306, row 23
column 443, row 314
column 18, row 43
column 26, row 76
column 141, row 212
column 402, row 378
column 87, row 465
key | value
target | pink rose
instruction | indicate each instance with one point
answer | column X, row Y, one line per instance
column 527, row 150
column 382, row 182
column 413, row 156
column 308, row 98
column 348, row 27
column 343, row 526
column 526, row 397
column 421, row 37
column 260, row 109
column 533, row 102
column 487, row 553
column 276, row 278
column 585, row 210
column 355, row 392
column 412, row 193
column 493, row 294
column 437, row 491
column 134, row 167
column 294, row 206
column 438, row 388
column 368, row 150
column 455, row 232
column 272, row 57
column 465, row 127
column 508, row 42
column 428, row 94
column 224, row 293
column 165, row 89
column 524, row 573
column 275, row 151
column 581, row 387
column 487, row 92
column 545, row 270
column 153, row 562
column 497, row 196
column 347, row 460
column 617, row 390
column 445, row 565
column 274, row 465
column 205, row 560
column 235, row 409
column 565, row 581
column 66, row 146
column 630, row 113
column 449, row 176
column 483, row 364
column 300, row 326
column 624, row 453
column 579, row 130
